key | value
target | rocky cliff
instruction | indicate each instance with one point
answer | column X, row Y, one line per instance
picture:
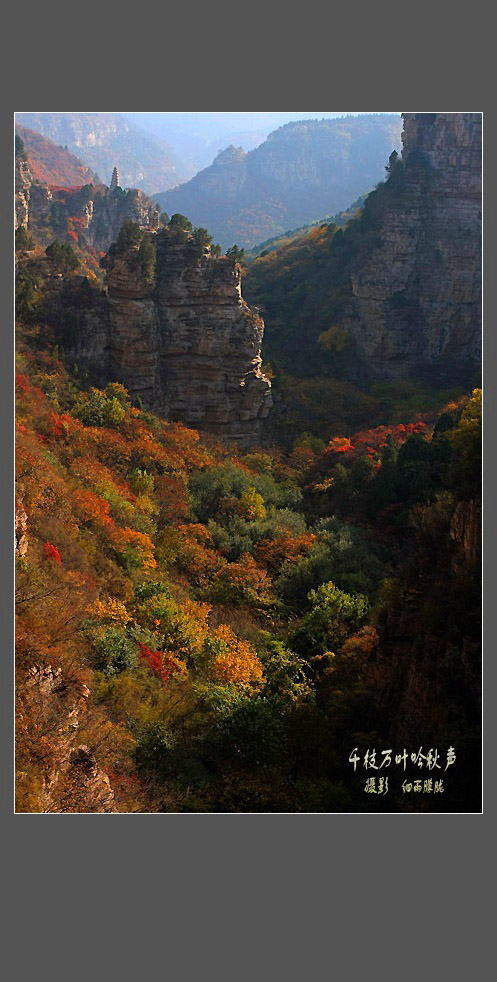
column 416, row 296
column 100, row 211
column 23, row 181
column 397, row 293
column 183, row 340
column 70, row 778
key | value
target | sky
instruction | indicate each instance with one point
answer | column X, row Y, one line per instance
column 197, row 137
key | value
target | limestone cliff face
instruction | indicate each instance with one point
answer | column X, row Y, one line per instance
column 416, row 296
column 23, row 182
column 104, row 214
column 187, row 343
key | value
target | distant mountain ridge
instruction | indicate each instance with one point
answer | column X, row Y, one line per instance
column 302, row 171
column 105, row 140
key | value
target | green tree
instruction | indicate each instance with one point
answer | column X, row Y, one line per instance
column 146, row 259
column 130, row 234
column 333, row 616
column 202, row 239
column 235, row 254
column 465, row 440
column 181, row 222
column 24, row 241
column 141, row 482
column 62, row 256
column 19, row 148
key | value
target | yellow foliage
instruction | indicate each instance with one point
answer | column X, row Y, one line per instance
column 251, row 505
column 110, row 610
column 143, row 545
column 334, row 339
column 237, row 662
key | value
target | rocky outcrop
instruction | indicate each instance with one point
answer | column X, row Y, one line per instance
column 21, row 530
column 23, row 182
column 416, row 294
column 186, row 343
column 465, row 531
column 110, row 208
column 71, row 779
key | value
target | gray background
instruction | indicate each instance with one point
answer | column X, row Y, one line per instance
column 240, row 896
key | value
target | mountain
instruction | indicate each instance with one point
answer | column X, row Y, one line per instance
column 397, row 294
column 304, row 170
column 106, row 140
column 54, row 165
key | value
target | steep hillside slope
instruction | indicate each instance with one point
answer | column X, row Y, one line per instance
column 54, row 165
column 106, row 140
column 301, row 172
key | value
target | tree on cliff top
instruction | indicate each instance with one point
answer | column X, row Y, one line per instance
column 235, row 254
column 62, row 256
column 180, row 221
column 130, row 234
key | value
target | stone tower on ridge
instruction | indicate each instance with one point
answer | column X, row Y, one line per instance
column 114, row 181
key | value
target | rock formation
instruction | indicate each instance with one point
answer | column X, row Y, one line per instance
column 71, row 779
column 23, row 182
column 187, row 343
column 416, row 296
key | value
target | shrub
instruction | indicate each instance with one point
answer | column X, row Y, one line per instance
column 62, row 256
column 115, row 652
column 333, row 616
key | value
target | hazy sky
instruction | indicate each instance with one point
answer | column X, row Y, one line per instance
column 197, row 137
column 216, row 124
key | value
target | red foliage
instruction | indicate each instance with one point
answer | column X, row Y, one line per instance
column 372, row 441
column 157, row 662
column 51, row 552
column 22, row 382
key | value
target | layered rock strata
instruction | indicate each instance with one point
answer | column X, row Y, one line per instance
column 187, row 344
column 416, row 297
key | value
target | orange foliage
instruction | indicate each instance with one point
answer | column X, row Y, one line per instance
column 283, row 548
